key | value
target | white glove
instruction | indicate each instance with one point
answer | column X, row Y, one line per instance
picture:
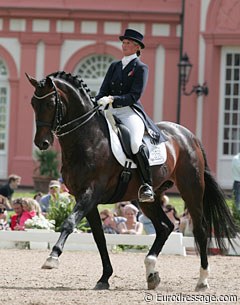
column 104, row 101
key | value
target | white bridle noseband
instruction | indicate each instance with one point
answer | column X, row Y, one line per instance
column 42, row 97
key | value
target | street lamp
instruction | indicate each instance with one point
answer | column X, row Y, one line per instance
column 185, row 68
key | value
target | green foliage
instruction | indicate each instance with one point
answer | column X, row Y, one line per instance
column 60, row 209
column 47, row 163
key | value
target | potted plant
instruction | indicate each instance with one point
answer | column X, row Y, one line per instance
column 46, row 170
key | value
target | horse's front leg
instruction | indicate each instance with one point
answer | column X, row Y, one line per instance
column 67, row 228
column 94, row 220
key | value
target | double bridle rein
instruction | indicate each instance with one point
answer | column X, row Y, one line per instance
column 56, row 126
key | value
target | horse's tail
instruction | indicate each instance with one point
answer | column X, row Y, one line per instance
column 219, row 221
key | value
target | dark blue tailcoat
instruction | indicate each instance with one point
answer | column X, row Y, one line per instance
column 126, row 86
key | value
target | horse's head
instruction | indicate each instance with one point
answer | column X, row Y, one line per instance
column 48, row 110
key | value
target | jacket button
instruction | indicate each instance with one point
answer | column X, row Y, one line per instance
column 121, row 84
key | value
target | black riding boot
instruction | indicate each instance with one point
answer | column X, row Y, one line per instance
column 145, row 192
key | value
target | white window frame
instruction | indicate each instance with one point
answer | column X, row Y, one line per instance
column 103, row 62
column 4, row 152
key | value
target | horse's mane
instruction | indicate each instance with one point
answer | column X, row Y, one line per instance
column 74, row 80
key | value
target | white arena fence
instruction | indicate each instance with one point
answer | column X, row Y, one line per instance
column 40, row 239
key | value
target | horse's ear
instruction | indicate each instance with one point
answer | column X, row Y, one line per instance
column 32, row 80
column 49, row 82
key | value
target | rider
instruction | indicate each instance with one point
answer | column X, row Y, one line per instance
column 122, row 87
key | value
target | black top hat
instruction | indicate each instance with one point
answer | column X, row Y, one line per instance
column 133, row 35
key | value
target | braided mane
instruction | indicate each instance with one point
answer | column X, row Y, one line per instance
column 74, row 80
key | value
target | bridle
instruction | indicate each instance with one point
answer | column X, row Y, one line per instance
column 56, row 126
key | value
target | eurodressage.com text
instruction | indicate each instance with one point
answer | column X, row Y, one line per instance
column 181, row 297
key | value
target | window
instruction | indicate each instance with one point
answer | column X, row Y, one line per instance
column 3, row 106
column 92, row 70
column 231, row 105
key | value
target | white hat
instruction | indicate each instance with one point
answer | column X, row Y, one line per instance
column 54, row 183
column 131, row 207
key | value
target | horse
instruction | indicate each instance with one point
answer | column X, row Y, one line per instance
column 64, row 109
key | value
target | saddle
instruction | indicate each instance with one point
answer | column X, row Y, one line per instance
column 121, row 148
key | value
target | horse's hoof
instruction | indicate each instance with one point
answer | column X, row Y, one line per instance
column 101, row 286
column 153, row 280
column 202, row 287
column 51, row 263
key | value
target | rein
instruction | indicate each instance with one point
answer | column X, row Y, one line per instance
column 90, row 113
column 56, row 126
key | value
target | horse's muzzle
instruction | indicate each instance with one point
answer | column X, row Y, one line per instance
column 44, row 145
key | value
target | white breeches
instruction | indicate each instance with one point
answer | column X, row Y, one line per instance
column 134, row 123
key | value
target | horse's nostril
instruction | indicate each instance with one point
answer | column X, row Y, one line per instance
column 45, row 145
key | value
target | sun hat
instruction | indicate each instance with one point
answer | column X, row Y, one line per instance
column 54, row 183
column 131, row 207
column 133, row 35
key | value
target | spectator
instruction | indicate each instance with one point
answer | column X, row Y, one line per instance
column 131, row 225
column 38, row 196
column 8, row 189
column 147, row 224
column 28, row 207
column 53, row 195
column 19, row 218
column 236, row 178
column 172, row 215
column 3, row 213
column 110, row 222
column 63, row 187
column 186, row 225
column 35, row 206
column 119, row 208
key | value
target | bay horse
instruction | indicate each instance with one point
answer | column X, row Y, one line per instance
column 64, row 108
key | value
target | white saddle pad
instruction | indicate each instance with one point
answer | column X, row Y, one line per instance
column 157, row 153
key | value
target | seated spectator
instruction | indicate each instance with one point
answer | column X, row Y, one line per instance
column 3, row 213
column 8, row 189
column 147, row 224
column 36, row 206
column 131, row 225
column 119, row 208
column 172, row 215
column 63, row 187
column 186, row 225
column 38, row 196
column 20, row 216
column 53, row 196
column 110, row 222
column 28, row 207
column 164, row 200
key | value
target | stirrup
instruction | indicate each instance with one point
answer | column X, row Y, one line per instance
column 146, row 193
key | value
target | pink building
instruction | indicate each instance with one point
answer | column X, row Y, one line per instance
column 82, row 37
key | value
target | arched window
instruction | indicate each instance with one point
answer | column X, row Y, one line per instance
column 4, row 118
column 92, row 70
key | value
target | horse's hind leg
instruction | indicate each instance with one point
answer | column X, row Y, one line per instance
column 163, row 227
column 192, row 194
column 200, row 234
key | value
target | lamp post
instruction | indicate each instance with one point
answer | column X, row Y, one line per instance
column 185, row 68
